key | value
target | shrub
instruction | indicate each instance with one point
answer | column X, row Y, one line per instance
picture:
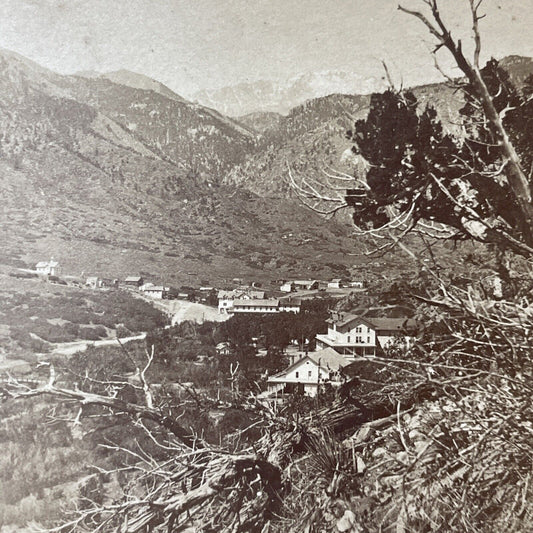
column 92, row 333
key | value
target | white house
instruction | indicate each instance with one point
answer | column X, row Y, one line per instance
column 156, row 291
column 48, row 268
column 288, row 286
column 223, row 348
column 305, row 284
column 289, row 305
column 335, row 284
column 355, row 336
column 94, row 282
column 308, row 373
column 226, row 298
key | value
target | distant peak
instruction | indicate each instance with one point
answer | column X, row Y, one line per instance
column 10, row 56
column 141, row 81
column 88, row 74
column 283, row 95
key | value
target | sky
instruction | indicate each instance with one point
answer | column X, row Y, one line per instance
column 191, row 45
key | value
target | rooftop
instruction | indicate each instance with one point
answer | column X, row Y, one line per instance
column 329, row 358
column 389, row 324
column 256, row 303
column 393, row 323
column 236, row 293
column 43, row 264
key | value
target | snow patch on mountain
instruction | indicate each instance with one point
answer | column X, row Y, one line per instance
column 280, row 97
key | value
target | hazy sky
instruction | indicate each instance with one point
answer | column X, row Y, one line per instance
column 196, row 44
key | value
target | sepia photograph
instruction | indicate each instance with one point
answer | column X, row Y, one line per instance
column 267, row 266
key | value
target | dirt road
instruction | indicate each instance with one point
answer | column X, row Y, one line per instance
column 69, row 348
column 182, row 310
column 178, row 310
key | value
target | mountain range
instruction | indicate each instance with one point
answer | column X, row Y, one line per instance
column 281, row 96
column 114, row 180
column 116, row 174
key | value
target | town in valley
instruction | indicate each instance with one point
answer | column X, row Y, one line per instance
column 267, row 267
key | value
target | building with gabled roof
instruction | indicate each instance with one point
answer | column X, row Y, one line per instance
column 94, row 282
column 159, row 292
column 133, row 281
column 305, row 284
column 356, row 336
column 47, row 268
column 289, row 304
column 287, row 286
column 226, row 298
column 308, row 373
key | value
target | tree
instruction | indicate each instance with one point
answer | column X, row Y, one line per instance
column 467, row 184
column 474, row 182
column 415, row 176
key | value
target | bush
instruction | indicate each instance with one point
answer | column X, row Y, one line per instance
column 81, row 309
column 122, row 332
column 92, row 333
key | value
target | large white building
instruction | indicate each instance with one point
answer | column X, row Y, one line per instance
column 264, row 306
column 308, row 373
column 354, row 336
column 247, row 300
column 226, row 298
column 158, row 292
column 48, row 268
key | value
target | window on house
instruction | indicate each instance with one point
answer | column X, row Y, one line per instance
column 297, row 374
column 358, row 338
column 348, row 338
column 309, row 373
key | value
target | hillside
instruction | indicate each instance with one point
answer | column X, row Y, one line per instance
column 112, row 179
column 261, row 121
column 138, row 81
column 311, row 138
column 115, row 180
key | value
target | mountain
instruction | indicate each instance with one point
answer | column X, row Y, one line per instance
column 519, row 67
column 261, row 121
column 139, row 81
column 281, row 97
column 171, row 129
column 311, row 138
column 116, row 180
column 134, row 80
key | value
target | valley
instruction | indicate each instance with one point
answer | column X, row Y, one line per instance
column 124, row 179
column 118, row 178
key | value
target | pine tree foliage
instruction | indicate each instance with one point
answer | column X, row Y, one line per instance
column 459, row 180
